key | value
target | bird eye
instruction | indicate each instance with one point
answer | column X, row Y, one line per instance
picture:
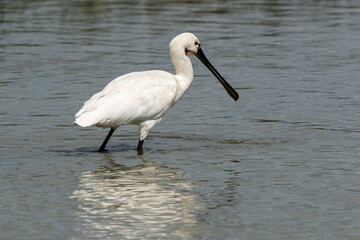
column 196, row 43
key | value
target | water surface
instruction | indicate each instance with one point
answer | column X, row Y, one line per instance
column 281, row 163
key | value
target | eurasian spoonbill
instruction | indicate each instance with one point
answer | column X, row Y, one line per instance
column 142, row 98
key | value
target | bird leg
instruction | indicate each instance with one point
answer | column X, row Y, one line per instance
column 140, row 144
column 102, row 148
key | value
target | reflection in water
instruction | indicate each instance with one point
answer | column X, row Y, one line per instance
column 143, row 201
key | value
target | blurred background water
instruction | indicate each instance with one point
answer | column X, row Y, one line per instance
column 281, row 163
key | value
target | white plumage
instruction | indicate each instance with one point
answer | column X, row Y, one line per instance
column 142, row 98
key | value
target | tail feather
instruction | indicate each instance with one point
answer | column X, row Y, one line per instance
column 84, row 121
column 87, row 116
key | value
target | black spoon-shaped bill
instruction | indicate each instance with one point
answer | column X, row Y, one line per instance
column 231, row 91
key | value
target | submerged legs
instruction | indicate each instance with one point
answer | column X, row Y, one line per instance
column 144, row 130
column 102, row 148
column 103, row 145
column 139, row 146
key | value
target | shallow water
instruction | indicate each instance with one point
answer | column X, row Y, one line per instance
column 281, row 163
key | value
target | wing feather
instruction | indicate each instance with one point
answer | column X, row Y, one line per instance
column 130, row 99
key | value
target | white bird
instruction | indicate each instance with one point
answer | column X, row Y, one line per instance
column 142, row 98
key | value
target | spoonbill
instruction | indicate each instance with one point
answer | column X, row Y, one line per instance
column 142, row 98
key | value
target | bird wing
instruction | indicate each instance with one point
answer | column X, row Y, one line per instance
column 130, row 99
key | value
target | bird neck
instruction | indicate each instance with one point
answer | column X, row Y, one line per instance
column 183, row 68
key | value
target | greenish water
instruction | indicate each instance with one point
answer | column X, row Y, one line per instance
column 281, row 163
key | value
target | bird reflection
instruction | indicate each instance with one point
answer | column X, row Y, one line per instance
column 143, row 201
